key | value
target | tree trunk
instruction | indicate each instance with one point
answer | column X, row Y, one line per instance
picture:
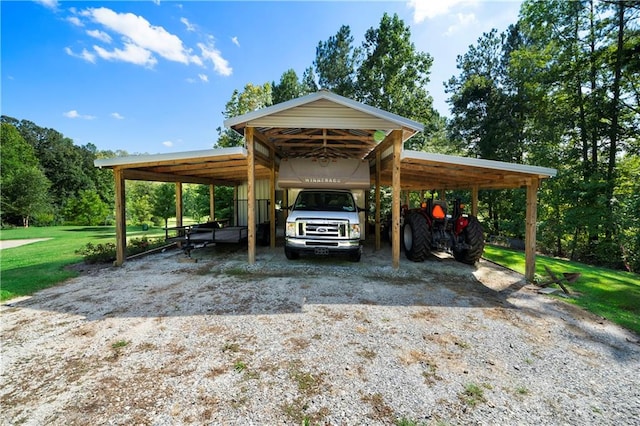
column 615, row 114
column 593, row 94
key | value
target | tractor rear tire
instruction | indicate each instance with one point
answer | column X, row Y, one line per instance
column 474, row 238
column 416, row 237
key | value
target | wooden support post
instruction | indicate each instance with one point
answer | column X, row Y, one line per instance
column 377, row 182
column 395, row 214
column 179, row 204
column 212, row 202
column 285, row 205
column 251, row 196
column 236, row 206
column 121, row 218
column 272, row 204
column 474, row 200
column 530, row 230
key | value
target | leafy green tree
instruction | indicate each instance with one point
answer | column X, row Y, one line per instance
column 139, row 201
column 87, row 208
column 393, row 76
column 309, row 84
column 196, row 203
column 250, row 99
column 164, row 202
column 225, row 207
column 626, row 206
column 337, row 62
column 26, row 193
column 24, row 186
column 288, row 88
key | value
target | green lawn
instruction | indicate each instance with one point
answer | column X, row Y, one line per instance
column 614, row 295
column 32, row 267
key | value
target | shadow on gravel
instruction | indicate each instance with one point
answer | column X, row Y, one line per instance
column 222, row 283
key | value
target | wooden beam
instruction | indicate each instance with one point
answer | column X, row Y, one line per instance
column 262, row 138
column 121, row 218
column 201, row 166
column 530, row 230
column 251, row 195
column 272, row 196
column 474, row 200
column 330, row 144
column 297, row 136
column 377, row 183
column 396, row 137
column 178, row 203
column 212, row 202
column 132, row 174
column 193, row 160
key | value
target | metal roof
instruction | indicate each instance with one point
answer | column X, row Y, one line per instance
column 397, row 121
column 224, row 166
column 147, row 159
column 423, row 170
column 322, row 125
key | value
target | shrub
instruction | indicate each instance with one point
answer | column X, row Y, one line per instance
column 98, row 253
column 105, row 253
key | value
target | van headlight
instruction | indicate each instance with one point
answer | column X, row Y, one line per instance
column 291, row 229
column 355, row 230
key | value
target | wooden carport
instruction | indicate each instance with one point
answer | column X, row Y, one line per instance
column 326, row 125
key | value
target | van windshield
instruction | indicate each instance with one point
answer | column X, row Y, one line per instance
column 325, row 201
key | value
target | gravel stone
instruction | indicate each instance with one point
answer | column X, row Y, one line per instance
column 160, row 341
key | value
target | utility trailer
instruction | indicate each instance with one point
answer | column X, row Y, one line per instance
column 201, row 235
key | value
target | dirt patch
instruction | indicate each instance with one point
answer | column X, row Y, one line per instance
column 160, row 341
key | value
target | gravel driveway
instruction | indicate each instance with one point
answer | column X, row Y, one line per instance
column 320, row 341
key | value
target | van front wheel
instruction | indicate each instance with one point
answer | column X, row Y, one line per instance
column 291, row 254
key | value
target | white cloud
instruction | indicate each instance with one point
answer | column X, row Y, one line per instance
column 51, row 4
column 132, row 53
column 75, row 21
column 429, row 9
column 463, row 20
column 191, row 80
column 117, row 116
column 189, row 25
column 85, row 55
column 220, row 65
column 138, row 32
column 235, row 41
column 100, row 35
column 74, row 114
column 168, row 144
column 135, row 40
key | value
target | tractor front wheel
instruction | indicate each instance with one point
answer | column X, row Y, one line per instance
column 474, row 239
column 416, row 237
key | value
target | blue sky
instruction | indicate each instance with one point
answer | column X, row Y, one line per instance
column 154, row 76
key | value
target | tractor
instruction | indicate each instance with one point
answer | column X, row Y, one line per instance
column 429, row 227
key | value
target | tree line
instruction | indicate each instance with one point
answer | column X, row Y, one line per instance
column 48, row 180
column 559, row 88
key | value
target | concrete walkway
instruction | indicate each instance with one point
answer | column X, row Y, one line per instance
column 6, row 244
